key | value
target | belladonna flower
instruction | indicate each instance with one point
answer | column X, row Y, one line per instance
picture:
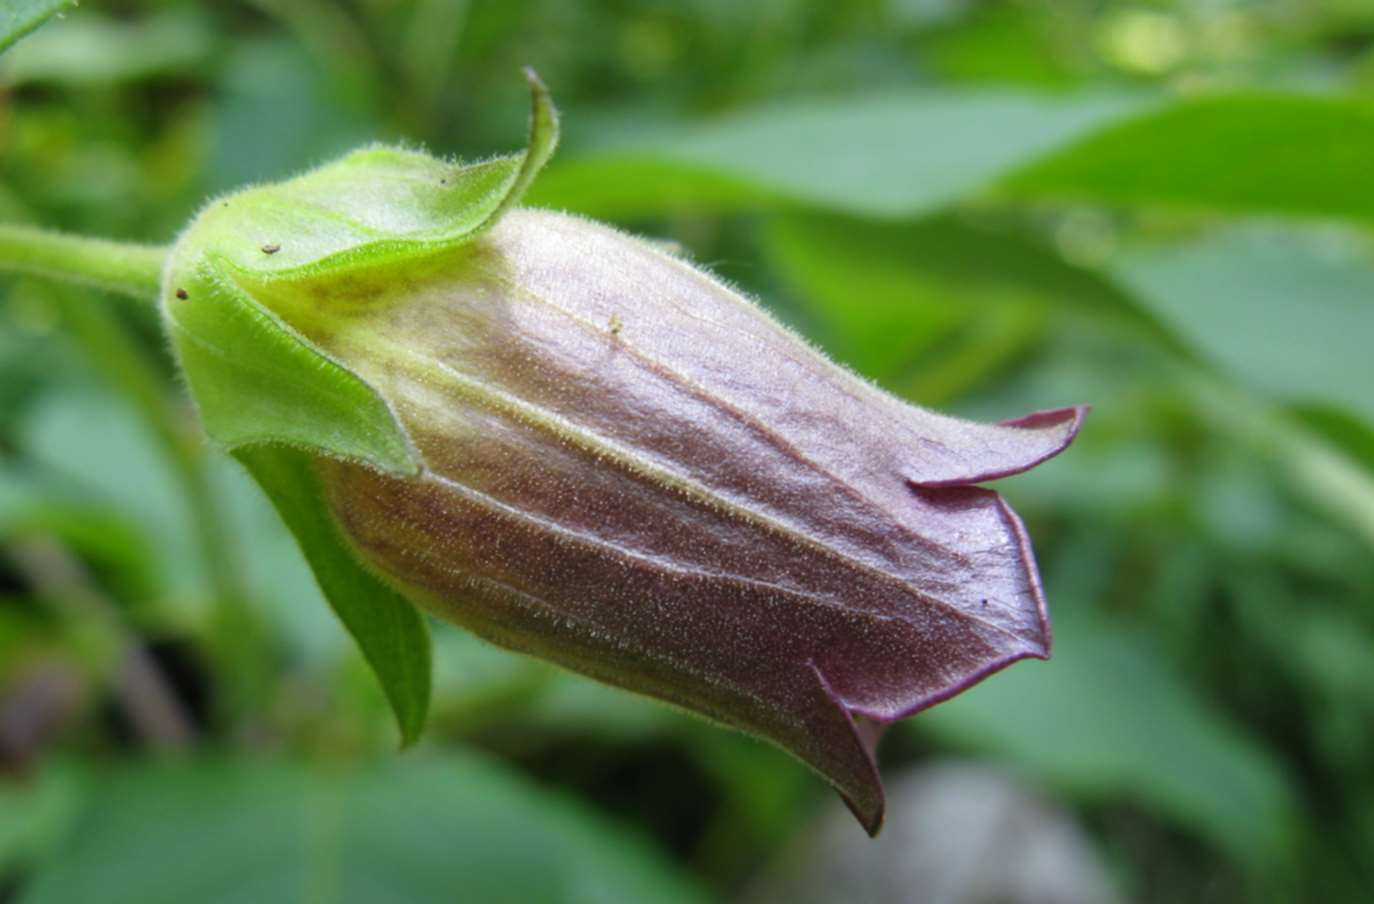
column 581, row 447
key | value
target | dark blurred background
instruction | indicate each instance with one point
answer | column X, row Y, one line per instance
column 989, row 207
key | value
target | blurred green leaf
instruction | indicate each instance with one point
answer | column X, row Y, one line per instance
column 19, row 17
column 867, row 287
column 477, row 683
column 884, row 156
column 1325, row 471
column 35, row 814
column 1001, row 43
column 114, row 501
column 900, row 156
column 388, row 629
column 1107, row 718
column 92, row 50
column 270, row 88
column 274, row 572
column 1352, row 435
column 92, row 450
column 1288, row 314
column 929, row 308
column 418, row 830
column 1242, row 153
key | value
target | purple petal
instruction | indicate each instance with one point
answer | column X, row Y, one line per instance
column 635, row 473
column 990, row 451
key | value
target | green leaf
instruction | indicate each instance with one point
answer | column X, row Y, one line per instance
column 902, row 156
column 1326, row 466
column 272, row 87
column 1287, row 314
column 624, row 185
column 123, row 477
column 91, row 50
column 1353, row 436
column 36, row 814
column 884, row 156
column 1243, row 153
column 902, row 303
column 415, row 830
column 19, row 17
column 875, row 305
column 388, row 629
column 116, row 504
column 257, row 380
column 1107, row 718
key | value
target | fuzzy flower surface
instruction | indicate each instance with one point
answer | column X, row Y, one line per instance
column 579, row 446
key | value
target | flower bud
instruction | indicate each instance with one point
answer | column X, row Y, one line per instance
column 612, row 461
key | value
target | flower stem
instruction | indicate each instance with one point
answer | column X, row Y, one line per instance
column 122, row 267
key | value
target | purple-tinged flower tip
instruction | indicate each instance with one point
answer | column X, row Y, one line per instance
column 866, row 798
column 992, row 451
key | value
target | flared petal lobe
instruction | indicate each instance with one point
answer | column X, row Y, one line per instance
column 631, row 470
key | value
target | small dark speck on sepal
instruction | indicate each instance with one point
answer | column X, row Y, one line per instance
column 181, row 293
column 270, row 249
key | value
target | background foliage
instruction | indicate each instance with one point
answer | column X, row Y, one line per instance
column 992, row 207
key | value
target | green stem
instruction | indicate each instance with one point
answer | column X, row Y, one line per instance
column 121, row 267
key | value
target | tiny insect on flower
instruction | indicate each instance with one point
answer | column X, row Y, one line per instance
column 581, row 447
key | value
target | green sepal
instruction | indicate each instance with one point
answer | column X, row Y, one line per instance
column 377, row 203
column 256, row 380
column 255, row 377
column 389, row 630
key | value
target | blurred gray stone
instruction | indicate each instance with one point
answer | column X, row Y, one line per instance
column 955, row 834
